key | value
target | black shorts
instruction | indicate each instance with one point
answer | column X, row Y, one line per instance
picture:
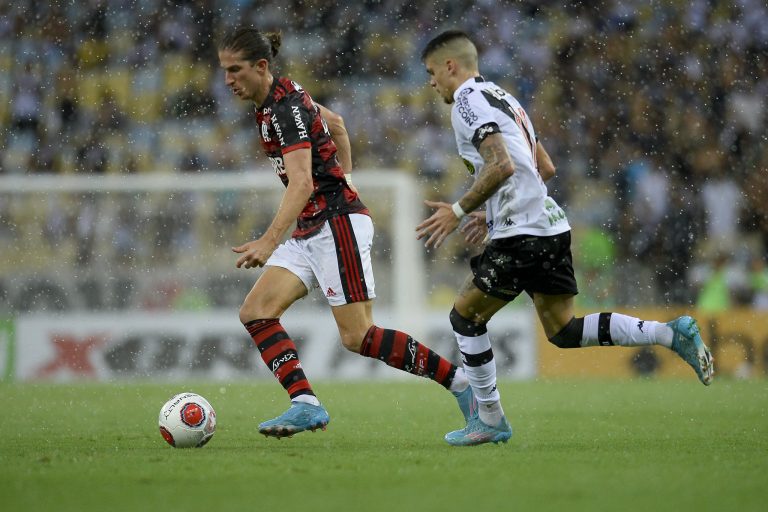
column 534, row 264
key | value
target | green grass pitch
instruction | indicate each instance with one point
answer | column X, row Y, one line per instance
column 578, row 445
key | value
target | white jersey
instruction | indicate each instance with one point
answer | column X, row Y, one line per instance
column 521, row 205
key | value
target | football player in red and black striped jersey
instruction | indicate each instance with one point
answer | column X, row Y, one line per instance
column 330, row 248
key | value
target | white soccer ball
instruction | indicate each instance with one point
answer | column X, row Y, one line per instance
column 187, row 420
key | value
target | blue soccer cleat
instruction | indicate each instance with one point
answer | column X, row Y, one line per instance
column 476, row 432
column 298, row 418
column 687, row 343
column 467, row 403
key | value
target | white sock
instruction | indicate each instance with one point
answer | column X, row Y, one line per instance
column 627, row 331
column 307, row 399
column 490, row 413
column 481, row 373
column 459, row 382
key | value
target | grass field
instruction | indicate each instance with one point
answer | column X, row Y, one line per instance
column 578, row 445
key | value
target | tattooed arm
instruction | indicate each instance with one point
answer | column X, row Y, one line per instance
column 497, row 167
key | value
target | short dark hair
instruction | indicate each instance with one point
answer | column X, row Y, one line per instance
column 441, row 40
column 255, row 45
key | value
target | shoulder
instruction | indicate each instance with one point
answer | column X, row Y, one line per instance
column 287, row 88
column 293, row 94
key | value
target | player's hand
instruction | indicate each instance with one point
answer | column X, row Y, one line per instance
column 441, row 224
column 475, row 229
column 254, row 254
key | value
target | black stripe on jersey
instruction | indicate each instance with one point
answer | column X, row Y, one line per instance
column 483, row 132
column 505, row 107
column 477, row 359
column 604, row 329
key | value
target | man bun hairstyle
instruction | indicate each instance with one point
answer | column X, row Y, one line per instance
column 442, row 40
column 254, row 45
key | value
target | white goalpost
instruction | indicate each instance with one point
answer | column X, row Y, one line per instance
column 392, row 195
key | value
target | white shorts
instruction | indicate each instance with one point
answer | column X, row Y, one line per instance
column 337, row 259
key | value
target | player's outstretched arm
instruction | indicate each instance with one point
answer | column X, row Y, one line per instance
column 546, row 167
column 497, row 167
column 298, row 167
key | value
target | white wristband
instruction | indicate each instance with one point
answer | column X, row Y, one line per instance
column 348, row 178
column 458, row 211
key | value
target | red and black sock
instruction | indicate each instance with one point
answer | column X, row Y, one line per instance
column 279, row 354
column 400, row 351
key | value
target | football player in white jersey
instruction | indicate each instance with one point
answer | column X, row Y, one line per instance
column 527, row 239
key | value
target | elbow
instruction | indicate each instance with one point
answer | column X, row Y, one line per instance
column 302, row 185
column 335, row 123
column 547, row 172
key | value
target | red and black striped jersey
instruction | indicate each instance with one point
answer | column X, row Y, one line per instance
column 289, row 120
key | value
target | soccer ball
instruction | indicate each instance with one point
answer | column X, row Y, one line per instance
column 187, row 420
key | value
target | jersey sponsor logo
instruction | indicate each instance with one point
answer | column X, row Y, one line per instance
column 498, row 93
column 462, row 106
column 278, row 131
column 640, row 325
column 554, row 213
column 330, row 293
column 278, row 164
column 299, row 122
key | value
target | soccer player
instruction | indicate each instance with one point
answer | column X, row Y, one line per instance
column 528, row 235
column 330, row 247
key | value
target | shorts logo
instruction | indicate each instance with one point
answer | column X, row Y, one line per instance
column 330, row 293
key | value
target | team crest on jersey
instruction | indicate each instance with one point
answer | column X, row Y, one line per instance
column 470, row 167
column 265, row 132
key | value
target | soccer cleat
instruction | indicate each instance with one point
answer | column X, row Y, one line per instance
column 476, row 432
column 687, row 343
column 298, row 418
column 467, row 403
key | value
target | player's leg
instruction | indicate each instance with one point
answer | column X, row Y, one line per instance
column 395, row 348
column 343, row 267
column 274, row 292
column 606, row 329
column 471, row 312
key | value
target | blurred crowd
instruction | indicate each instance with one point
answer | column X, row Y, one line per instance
column 653, row 111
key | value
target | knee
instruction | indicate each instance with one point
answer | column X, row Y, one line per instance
column 352, row 339
column 570, row 335
column 464, row 326
column 254, row 310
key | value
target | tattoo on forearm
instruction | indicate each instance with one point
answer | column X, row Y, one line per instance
column 497, row 167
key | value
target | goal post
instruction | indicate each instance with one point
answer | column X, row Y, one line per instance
column 29, row 204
